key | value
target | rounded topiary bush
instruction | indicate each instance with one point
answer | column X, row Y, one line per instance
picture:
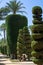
column 37, row 44
column 34, row 53
column 37, row 10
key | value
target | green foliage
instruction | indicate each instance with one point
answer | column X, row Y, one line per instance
column 34, row 53
column 4, row 49
column 37, row 44
column 37, row 10
column 14, row 23
column 19, row 20
column 15, row 6
column 37, row 28
column 3, row 46
column 20, row 43
column 37, row 36
column 3, row 12
column 37, row 61
column 24, row 42
column 37, row 22
column 3, row 28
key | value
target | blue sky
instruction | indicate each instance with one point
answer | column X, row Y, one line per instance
column 29, row 4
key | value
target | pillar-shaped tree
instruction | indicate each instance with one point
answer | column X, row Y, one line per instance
column 14, row 23
column 37, row 36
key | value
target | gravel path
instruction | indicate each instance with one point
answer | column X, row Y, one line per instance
column 6, row 61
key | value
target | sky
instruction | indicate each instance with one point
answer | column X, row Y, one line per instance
column 29, row 4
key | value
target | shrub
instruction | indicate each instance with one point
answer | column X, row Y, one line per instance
column 14, row 23
column 37, row 36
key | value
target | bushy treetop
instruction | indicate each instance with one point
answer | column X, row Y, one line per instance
column 37, row 10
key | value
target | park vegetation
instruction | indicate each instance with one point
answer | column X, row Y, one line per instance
column 37, row 36
column 18, row 39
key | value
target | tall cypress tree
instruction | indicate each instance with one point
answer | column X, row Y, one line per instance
column 37, row 36
column 14, row 23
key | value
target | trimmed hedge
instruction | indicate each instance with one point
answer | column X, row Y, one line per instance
column 14, row 23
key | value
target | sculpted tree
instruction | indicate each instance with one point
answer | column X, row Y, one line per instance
column 24, row 42
column 37, row 36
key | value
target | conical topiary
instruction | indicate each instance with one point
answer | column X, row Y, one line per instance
column 24, row 42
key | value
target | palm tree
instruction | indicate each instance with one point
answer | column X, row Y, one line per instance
column 15, row 6
column 3, row 28
column 3, row 12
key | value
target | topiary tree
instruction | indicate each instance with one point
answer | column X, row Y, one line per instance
column 20, row 45
column 27, row 41
column 37, row 36
column 14, row 23
column 24, row 42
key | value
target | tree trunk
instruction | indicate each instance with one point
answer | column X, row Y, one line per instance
column 12, row 56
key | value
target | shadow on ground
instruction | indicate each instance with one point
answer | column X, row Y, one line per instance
column 2, row 64
column 2, row 60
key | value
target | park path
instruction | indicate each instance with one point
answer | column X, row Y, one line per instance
column 6, row 61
